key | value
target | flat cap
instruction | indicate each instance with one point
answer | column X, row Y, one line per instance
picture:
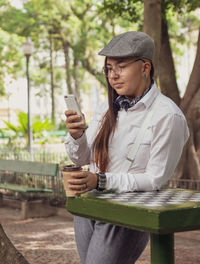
column 130, row 44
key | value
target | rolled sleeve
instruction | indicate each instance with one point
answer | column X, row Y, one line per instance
column 78, row 150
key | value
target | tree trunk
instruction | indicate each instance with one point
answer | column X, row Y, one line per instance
column 167, row 75
column 194, row 81
column 8, row 253
column 52, row 80
column 76, row 81
column 189, row 165
column 67, row 66
column 152, row 26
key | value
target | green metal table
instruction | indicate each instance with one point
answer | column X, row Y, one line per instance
column 162, row 213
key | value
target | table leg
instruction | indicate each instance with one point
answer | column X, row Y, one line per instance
column 162, row 248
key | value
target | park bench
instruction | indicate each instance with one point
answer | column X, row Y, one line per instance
column 162, row 213
column 31, row 182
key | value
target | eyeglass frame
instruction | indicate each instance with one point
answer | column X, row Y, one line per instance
column 119, row 70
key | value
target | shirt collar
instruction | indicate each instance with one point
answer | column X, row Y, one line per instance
column 122, row 102
column 148, row 99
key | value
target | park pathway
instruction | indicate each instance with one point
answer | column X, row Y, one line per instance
column 51, row 240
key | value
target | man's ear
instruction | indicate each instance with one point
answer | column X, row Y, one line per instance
column 146, row 68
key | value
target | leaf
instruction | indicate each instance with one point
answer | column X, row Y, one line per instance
column 11, row 127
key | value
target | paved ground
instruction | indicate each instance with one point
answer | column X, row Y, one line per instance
column 51, row 240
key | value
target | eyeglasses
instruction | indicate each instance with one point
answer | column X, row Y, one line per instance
column 118, row 68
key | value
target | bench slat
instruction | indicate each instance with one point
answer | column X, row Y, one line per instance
column 38, row 168
column 20, row 188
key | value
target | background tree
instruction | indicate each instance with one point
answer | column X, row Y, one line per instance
column 8, row 253
column 161, row 28
column 152, row 26
column 10, row 58
column 77, row 30
column 68, row 27
column 189, row 165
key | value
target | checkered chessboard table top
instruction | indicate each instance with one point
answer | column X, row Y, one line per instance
column 153, row 198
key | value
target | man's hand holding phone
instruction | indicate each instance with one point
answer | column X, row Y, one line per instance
column 75, row 121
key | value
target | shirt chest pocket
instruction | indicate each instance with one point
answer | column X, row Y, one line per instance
column 143, row 153
column 142, row 156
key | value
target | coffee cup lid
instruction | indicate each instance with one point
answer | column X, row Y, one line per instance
column 71, row 167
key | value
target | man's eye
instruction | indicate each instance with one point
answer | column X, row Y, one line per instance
column 122, row 66
column 109, row 69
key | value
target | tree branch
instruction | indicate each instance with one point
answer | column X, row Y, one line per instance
column 98, row 75
column 80, row 15
column 167, row 74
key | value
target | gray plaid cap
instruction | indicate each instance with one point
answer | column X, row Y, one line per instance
column 130, row 44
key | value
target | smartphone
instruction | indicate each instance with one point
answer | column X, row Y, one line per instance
column 72, row 104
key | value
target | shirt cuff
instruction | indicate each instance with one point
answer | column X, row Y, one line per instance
column 120, row 182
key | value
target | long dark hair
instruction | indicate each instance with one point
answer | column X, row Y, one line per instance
column 108, row 124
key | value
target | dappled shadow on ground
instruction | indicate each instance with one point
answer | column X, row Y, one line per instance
column 41, row 240
column 51, row 240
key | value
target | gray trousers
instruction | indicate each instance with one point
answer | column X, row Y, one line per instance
column 102, row 243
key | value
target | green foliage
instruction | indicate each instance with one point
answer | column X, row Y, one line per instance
column 15, row 21
column 181, row 21
column 21, row 130
column 10, row 57
column 78, row 24
column 78, row 29
column 180, row 6
column 40, row 125
column 176, row 12
column 127, row 9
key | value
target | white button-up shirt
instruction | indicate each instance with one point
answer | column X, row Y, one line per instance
column 158, row 153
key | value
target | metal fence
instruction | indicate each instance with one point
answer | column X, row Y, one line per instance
column 47, row 155
column 185, row 184
column 38, row 154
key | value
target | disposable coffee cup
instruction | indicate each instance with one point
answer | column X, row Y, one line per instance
column 66, row 172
